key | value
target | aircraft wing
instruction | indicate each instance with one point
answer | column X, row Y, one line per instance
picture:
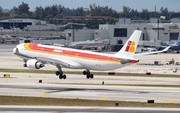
column 61, row 62
column 154, row 52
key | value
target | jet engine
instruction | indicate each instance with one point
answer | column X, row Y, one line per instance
column 34, row 64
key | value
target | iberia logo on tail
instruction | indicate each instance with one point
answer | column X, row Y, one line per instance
column 130, row 47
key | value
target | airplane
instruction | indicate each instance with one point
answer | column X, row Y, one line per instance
column 87, row 45
column 174, row 43
column 36, row 56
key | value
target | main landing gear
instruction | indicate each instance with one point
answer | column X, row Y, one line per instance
column 63, row 76
column 60, row 73
column 88, row 74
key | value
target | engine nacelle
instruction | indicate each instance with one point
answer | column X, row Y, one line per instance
column 34, row 64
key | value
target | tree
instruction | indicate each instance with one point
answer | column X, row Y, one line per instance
column 126, row 12
column 39, row 13
column 93, row 10
column 164, row 12
column 145, row 14
column 54, row 10
column 135, row 14
column 23, row 8
column 49, row 13
column 174, row 15
column 47, row 10
column 79, row 12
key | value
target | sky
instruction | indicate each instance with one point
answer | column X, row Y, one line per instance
column 172, row 5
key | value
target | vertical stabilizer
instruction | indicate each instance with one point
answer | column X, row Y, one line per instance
column 130, row 46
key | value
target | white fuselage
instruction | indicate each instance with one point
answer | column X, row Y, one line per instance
column 79, row 62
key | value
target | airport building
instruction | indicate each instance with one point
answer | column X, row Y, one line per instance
column 154, row 31
column 53, row 27
column 20, row 23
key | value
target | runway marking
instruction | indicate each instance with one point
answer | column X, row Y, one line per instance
column 105, row 97
column 57, row 112
column 90, row 83
column 170, row 101
column 143, row 83
column 42, row 95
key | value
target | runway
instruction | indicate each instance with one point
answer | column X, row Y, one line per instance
column 77, row 86
column 80, row 109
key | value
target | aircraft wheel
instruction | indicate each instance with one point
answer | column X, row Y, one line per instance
column 57, row 73
column 24, row 65
column 64, row 76
column 91, row 76
column 84, row 72
column 87, row 76
column 61, row 72
column 88, row 72
column 60, row 76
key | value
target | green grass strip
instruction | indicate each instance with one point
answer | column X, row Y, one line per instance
column 20, row 100
column 80, row 73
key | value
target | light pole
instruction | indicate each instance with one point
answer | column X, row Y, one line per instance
column 1, row 31
column 13, row 22
column 17, row 28
column 1, row 28
column 56, row 21
column 56, row 27
column 158, row 30
column 39, row 29
column 73, row 30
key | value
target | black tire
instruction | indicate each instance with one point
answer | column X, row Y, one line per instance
column 61, row 72
column 24, row 65
column 64, row 76
column 88, row 72
column 57, row 73
column 87, row 76
column 91, row 76
column 60, row 76
column 84, row 72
